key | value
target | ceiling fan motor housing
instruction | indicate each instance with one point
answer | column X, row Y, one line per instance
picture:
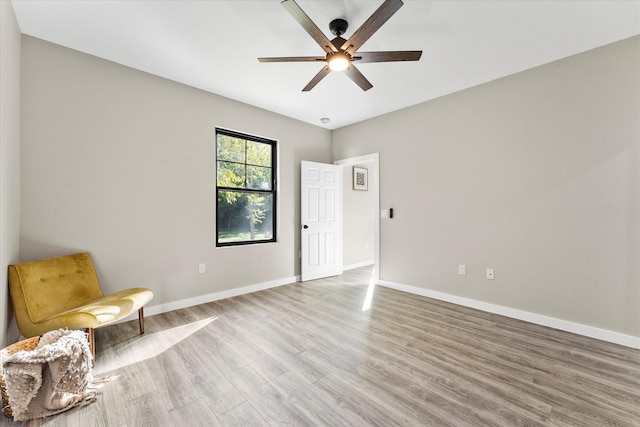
column 338, row 27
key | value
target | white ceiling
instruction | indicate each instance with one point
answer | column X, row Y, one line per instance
column 213, row 45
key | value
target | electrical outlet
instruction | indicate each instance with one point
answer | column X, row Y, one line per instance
column 462, row 269
column 201, row 268
column 490, row 274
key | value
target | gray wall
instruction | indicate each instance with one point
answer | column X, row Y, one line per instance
column 121, row 163
column 357, row 220
column 9, row 160
column 536, row 175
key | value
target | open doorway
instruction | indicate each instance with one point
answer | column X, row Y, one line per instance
column 358, row 233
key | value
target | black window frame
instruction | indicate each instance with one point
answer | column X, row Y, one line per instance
column 272, row 191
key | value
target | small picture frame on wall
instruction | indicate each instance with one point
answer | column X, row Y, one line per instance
column 360, row 179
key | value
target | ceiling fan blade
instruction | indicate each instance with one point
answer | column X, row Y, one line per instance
column 314, row 81
column 306, row 23
column 389, row 56
column 371, row 25
column 293, row 59
column 354, row 74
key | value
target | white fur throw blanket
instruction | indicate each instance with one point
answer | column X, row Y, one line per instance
column 51, row 378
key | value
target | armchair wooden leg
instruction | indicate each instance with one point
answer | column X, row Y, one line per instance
column 141, row 320
column 92, row 341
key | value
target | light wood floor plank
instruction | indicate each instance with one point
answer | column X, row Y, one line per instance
column 214, row 387
column 266, row 399
column 318, row 406
column 195, row 414
column 171, row 379
column 233, row 336
column 242, row 416
column 148, row 410
column 269, row 338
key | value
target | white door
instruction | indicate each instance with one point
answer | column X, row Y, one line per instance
column 321, row 220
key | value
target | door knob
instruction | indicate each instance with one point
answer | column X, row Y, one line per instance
column 305, row 226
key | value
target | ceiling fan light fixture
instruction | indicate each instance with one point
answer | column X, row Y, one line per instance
column 338, row 61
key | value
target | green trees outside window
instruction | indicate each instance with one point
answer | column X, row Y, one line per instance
column 245, row 188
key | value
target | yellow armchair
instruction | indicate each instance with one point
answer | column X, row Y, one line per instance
column 64, row 292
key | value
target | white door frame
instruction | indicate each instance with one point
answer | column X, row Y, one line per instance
column 375, row 159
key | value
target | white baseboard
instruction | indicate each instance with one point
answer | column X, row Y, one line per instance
column 552, row 322
column 203, row 299
column 358, row 265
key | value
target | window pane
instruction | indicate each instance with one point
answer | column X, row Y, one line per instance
column 231, row 175
column 258, row 178
column 231, row 149
column 244, row 217
column 258, row 153
column 245, row 170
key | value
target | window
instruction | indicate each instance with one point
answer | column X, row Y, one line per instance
column 245, row 189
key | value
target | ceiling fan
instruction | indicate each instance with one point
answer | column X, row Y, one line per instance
column 341, row 54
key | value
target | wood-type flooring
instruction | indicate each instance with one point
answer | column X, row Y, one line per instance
column 314, row 354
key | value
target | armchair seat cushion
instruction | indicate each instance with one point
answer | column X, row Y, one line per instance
column 104, row 310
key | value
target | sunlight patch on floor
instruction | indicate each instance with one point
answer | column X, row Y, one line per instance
column 369, row 296
column 147, row 346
